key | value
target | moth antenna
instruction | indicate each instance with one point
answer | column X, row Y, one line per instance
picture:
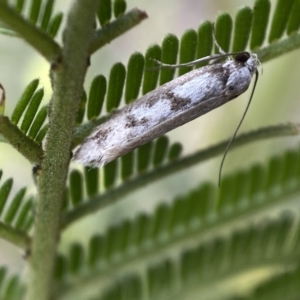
column 216, row 56
column 261, row 67
column 216, row 42
column 162, row 65
column 237, row 129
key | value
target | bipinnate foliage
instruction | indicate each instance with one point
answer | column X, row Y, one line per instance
column 188, row 248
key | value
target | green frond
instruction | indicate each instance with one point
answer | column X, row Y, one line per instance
column 175, row 151
column 38, row 122
column 144, row 155
column 206, row 212
column 278, row 287
column 115, row 86
column 185, row 263
column 171, row 166
column 54, row 24
column 205, row 41
column 28, row 107
column 91, row 181
column 11, row 287
column 104, row 12
column 40, row 13
column 145, row 160
column 19, row 5
column 260, row 23
column 128, row 165
column 34, row 10
column 150, row 79
column 294, row 21
column 240, row 193
column 81, row 110
column 135, row 69
column 110, row 174
column 129, row 287
column 14, row 206
column 32, row 110
column 160, row 150
column 15, row 215
column 280, row 19
column 223, row 31
column 95, row 250
column 96, row 97
column 60, row 267
column 169, row 47
column 242, row 29
column 76, row 258
column 46, row 14
column 41, row 134
column 4, row 192
column 24, row 101
column 76, row 190
column 188, row 47
column 107, row 9
column 27, row 136
column 119, row 7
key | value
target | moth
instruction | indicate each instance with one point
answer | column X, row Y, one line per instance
column 169, row 106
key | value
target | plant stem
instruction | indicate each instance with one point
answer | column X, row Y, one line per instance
column 26, row 146
column 14, row 236
column 111, row 196
column 116, row 28
column 30, row 33
column 279, row 48
column 68, row 78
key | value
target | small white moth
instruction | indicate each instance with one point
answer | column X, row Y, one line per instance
column 171, row 105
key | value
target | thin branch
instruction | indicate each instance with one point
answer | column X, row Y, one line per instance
column 26, row 146
column 14, row 236
column 68, row 77
column 278, row 48
column 30, row 33
column 114, row 195
column 116, row 28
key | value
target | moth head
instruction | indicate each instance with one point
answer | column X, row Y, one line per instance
column 252, row 63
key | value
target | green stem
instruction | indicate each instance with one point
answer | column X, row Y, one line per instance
column 26, row 146
column 14, row 236
column 116, row 28
column 30, row 33
column 68, row 78
column 111, row 196
column 278, row 48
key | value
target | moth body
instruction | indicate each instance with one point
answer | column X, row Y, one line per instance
column 171, row 105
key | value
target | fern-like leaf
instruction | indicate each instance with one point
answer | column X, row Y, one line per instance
column 194, row 268
column 40, row 13
column 15, row 215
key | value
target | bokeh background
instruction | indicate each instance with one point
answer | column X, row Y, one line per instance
column 276, row 100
